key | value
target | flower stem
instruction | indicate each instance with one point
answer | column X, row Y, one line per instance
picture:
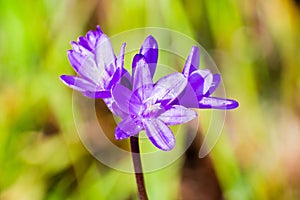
column 139, row 176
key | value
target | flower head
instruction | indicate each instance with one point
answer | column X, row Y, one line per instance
column 98, row 69
column 202, row 83
column 141, row 103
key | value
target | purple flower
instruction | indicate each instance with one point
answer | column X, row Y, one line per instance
column 148, row 105
column 93, row 58
column 142, row 104
column 201, row 84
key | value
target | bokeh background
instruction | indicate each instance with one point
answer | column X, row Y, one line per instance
column 256, row 46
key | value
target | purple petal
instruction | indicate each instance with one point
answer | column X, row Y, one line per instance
column 208, row 79
column 75, row 59
column 78, row 83
column 177, row 115
column 189, row 98
column 81, row 50
column 114, row 79
column 207, row 76
column 122, row 95
column 105, row 57
column 192, row 62
column 85, row 44
column 150, row 50
column 90, row 71
column 86, row 67
column 115, row 109
column 141, row 77
column 135, row 60
column 93, row 36
column 98, row 94
column 196, row 81
column 168, row 87
column 214, row 85
column 126, row 128
column 138, row 99
column 75, row 47
column 126, row 79
column 160, row 134
column 217, row 103
column 120, row 59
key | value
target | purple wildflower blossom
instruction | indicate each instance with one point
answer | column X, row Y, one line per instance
column 148, row 105
column 142, row 104
column 93, row 58
column 202, row 83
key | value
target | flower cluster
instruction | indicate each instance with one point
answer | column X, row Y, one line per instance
column 141, row 103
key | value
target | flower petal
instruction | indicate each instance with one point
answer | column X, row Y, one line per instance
column 138, row 100
column 126, row 128
column 120, row 59
column 75, row 59
column 116, row 110
column 168, row 88
column 85, row 66
column 159, row 134
column 83, row 51
column 149, row 50
column 114, row 79
column 141, row 77
column 192, row 62
column 217, row 103
column 177, row 115
column 90, row 71
column 93, row 36
column 78, row 83
column 189, row 98
column 97, row 94
column 126, row 79
column 196, row 81
column 85, row 44
column 105, row 57
column 214, row 85
column 207, row 76
column 122, row 95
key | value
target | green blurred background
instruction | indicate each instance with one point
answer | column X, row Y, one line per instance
column 254, row 43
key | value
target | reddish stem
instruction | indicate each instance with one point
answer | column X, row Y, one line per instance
column 139, row 176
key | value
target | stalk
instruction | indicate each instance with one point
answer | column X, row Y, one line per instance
column 139, row 176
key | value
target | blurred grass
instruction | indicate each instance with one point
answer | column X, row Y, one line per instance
column 254, row 43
